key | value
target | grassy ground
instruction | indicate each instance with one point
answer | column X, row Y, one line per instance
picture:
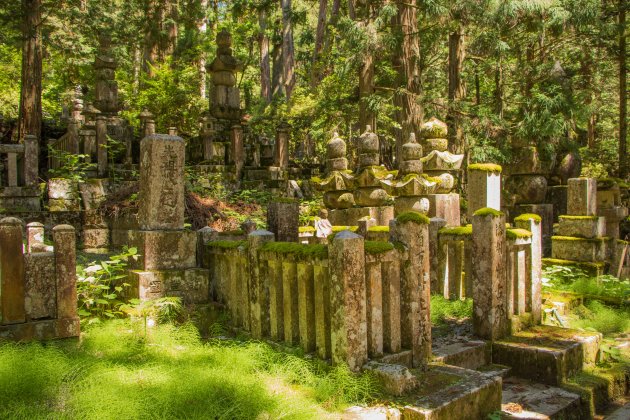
column 116, row 372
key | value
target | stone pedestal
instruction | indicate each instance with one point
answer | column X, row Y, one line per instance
column 484, row 187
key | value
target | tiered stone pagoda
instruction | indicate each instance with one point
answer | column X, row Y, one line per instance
column 106, row 92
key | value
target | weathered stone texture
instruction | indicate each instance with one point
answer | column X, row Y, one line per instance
column 484, row 190
column 12, row 309
column 64, row 238
column 39, row 301
column 283, row 221
column 258, row 287
column 582, row 197
column 191, row 285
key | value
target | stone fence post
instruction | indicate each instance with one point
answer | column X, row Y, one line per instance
column 534, row 225
column 258, row 285
column 64, row 239
column 35, row 237
column 348, row 318
column 412, row 229
column 484, row 187
column 490, row 319
column 435, row 225
column 12, row 309
column 582, row 197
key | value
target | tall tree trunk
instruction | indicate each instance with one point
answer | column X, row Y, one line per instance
column 203, row 28
column 319, row 42
column 170, row 21
column 152, row 12
column 456, row 90
column 624, row 165
column 411, row 114
column 352, row 14
column 366, row 88
column 30, row 117
column 263, row 46
column 277, row 72
column 288, row 64
column 498, row 89
column 332, row 22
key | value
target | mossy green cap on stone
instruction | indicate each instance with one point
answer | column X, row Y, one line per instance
column 528, row 216
column 486, row 167
column 487, row 211
column 413, row 216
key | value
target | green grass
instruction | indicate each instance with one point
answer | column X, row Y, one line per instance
column 605, row 319
column 443, row 309
column 115, row 372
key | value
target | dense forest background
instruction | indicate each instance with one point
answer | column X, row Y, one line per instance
column 552, row 72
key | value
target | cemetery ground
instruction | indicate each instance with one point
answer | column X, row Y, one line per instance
column 156, row 364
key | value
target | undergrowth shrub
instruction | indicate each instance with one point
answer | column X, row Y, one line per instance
column 443, row 309
column 596, row 316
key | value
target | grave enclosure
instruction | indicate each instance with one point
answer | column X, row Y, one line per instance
column 360, row 297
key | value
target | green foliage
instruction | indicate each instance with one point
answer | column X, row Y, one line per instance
column 101, row 285
column 10, row 59
column 72, row 166
column 605, row 319
column 118, row 371
column 576, row 280
column 443, row 309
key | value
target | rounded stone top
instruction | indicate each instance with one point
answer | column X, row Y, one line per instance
column 10, row 221
column 35, row 224
column 63, row 228
column 336, row 147
column 434, row 128
column 346, row 234
column 411, row 150
column 368, row 141
column 224, row 38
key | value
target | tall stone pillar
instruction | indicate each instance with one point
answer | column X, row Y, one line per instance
column 12, row 169
column 101, row 145
column 283, row 220
column 161, row 194
column 534, row 225
column 34, row 237
column 490, row 320
column 281, row 152
column 64, row 238
column 12, row 310
column 582, row 197
column 237, row 149
column 484, row 187
column 412, row 229
column 348, row 319
column 258, row 287
column 31, row 160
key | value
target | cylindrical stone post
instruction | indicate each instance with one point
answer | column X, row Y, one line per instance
column 31, row 160
column 348, row 320
column 534, row 225
column 412, row 229
column 35, row 237
column 64, row 239
column 12, row 310
column 490, row 320
column 281, row 152
column 258, row 287
column 172, row 131
column 101, row 145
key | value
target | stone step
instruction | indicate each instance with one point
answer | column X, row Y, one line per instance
column 621, row 413
column 523, row 399
column 467, row 354
column 449, row 392
column 547, row 354
column 495, row 370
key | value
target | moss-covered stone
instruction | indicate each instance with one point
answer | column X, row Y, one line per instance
column 567, row 217
column 236, row 232
column 306, row 229
column 457, row 231
column 514, row 234
column 296, row 249
column 486, row 167
column 412, row 216
column 378, row 247
column 576, row 239
column 226, row 244
column 378, row 229
column 528, row 216
column 487, row 211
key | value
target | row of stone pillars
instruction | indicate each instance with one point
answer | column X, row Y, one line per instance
column 22, row 162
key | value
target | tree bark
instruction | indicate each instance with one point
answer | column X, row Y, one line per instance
column 203, row 28
column 411, row 114
column 624, row 165
column 319, row 42
column 456, row 90
column 498, row 89
column 288, row 64
column 265, row 66
column 277, row 72
column 366, row 88
column 30, row 116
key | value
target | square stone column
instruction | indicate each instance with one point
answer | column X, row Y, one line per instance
column 490, row 319
column 237, row 149
column 484, row 187
column 31, row 160
column 582, row 197
column 35, row 237
column 64, row 238
column 534, row 225
column 161, row 194
column 348, row 318
column 283, row 219
column 12, row 309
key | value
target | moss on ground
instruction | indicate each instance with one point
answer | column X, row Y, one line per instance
column 413, row 216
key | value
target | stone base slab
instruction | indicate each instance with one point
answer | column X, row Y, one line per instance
column 454, row 393
column 165, row 249
column 62, row 204
column 22, row 199
column 351, row 216
column 525, row 399
column 191, row 285
column 547, row 354
column 582, row 228
column 468, row 354
column 42, row 330
column 95, row 238
column 579, row 249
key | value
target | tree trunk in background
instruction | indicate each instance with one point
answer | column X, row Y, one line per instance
column 288, row 64
column 332, row 22
column 276, row 57
column 263, row 46
column 151, row 36
column 498, row 90
column 170, row 24
column 30, row 117
column 624, row 165
column 203, row 28
column 456, row 91
column 319, row 43
column 411, row 113
column 366, row 88
column 352, row 14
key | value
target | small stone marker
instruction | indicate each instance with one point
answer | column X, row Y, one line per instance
column 161, row 195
